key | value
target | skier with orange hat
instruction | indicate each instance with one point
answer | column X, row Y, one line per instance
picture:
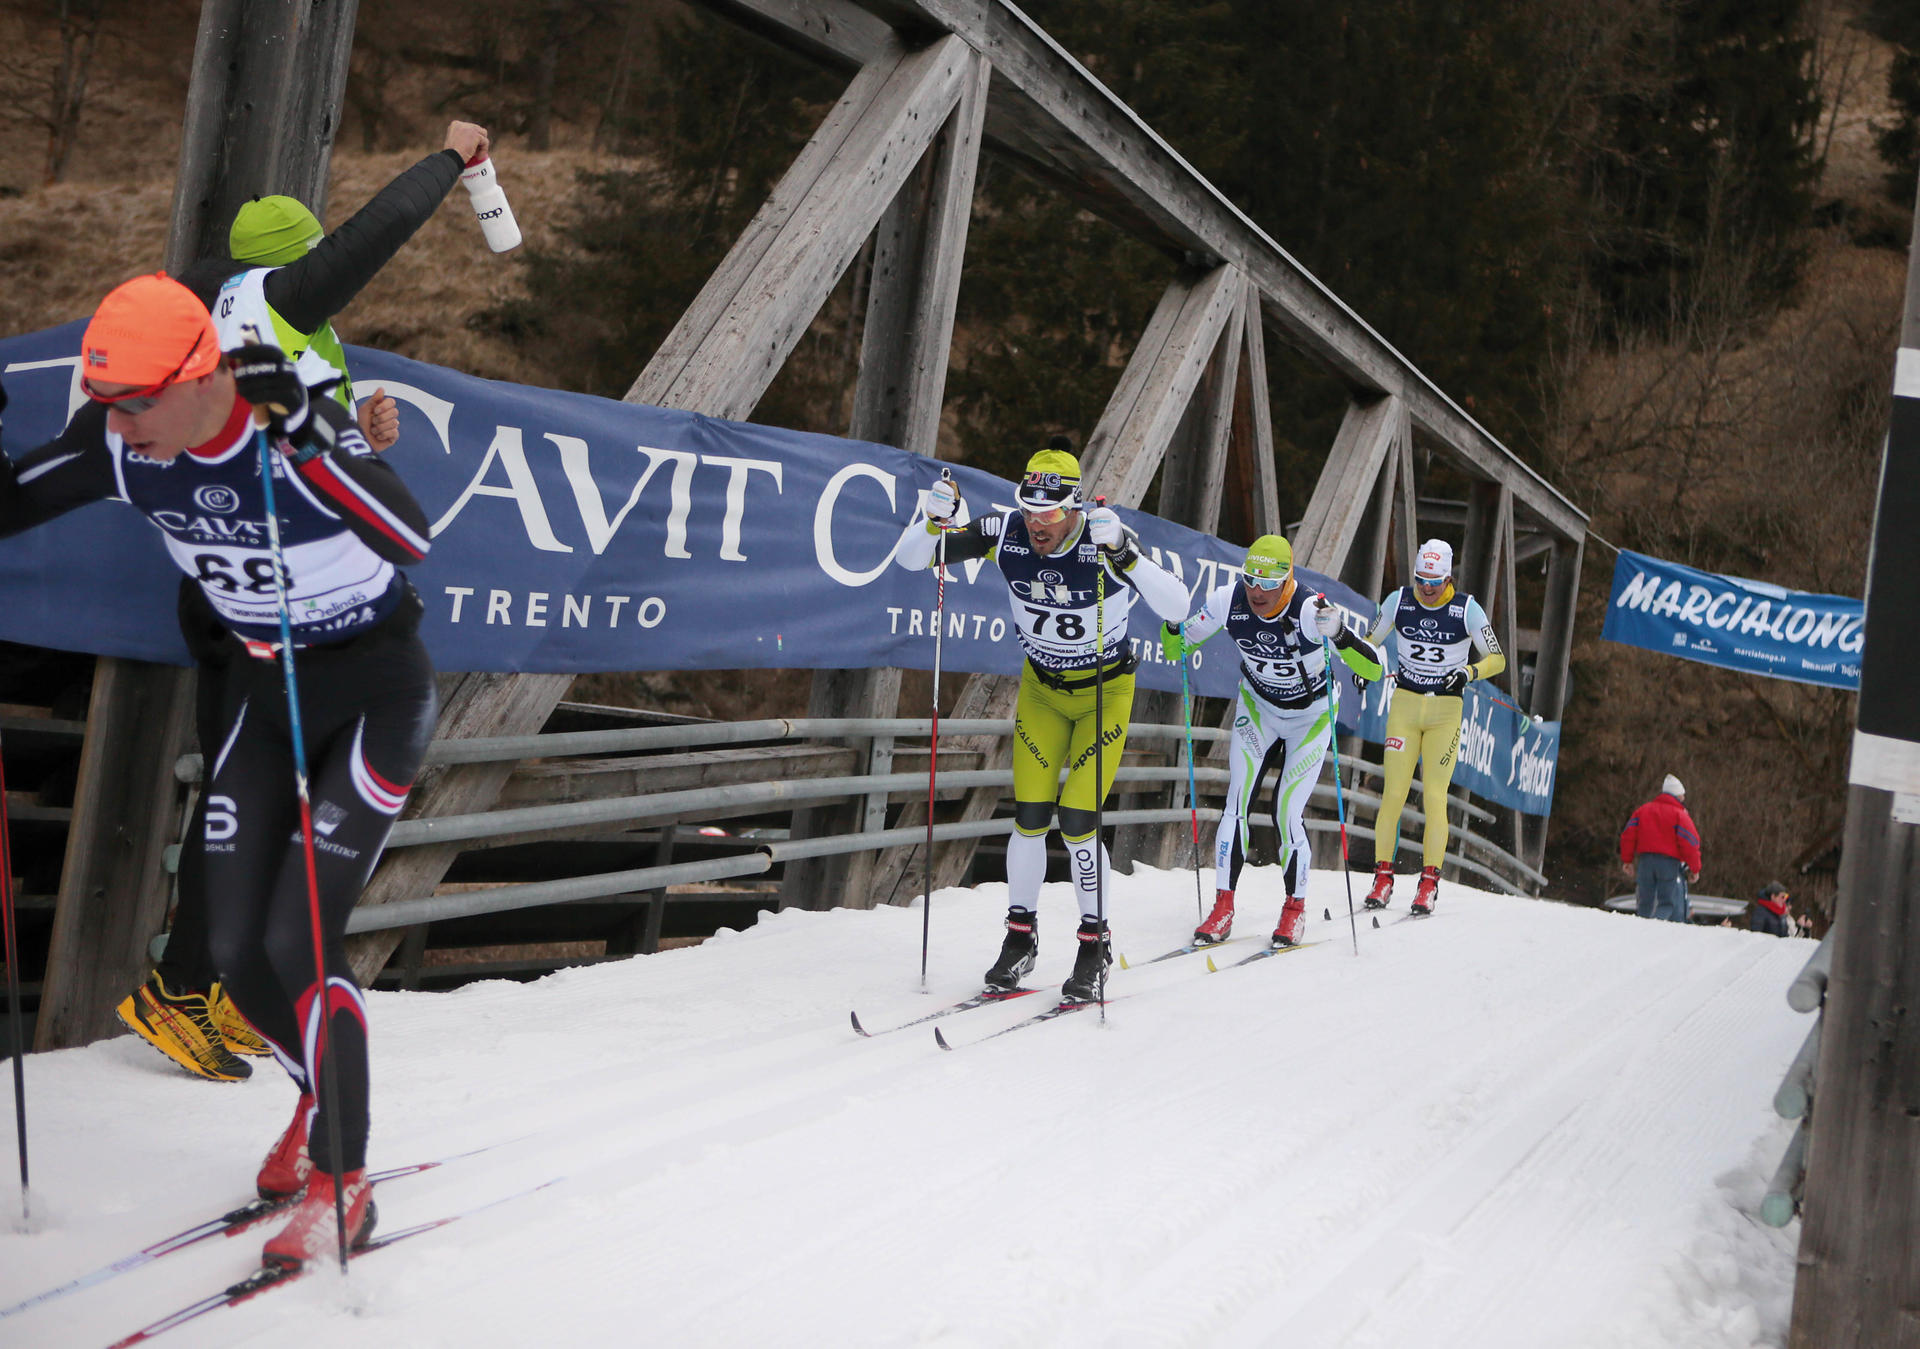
column 169, row 429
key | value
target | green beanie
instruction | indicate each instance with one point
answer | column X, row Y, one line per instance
column 272, row 231
column 1270, row 556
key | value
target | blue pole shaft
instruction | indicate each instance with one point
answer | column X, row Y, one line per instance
column 1193, row 791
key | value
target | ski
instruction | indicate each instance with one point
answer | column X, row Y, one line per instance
column 1059, row 1009
column 1262, row 954
column 983, row 998
column 1186, row 950
column 276, row 1276
column 228, row 1224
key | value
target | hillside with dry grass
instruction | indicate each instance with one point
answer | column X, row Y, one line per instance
column 1742, row 447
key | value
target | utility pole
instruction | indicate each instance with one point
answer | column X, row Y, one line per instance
column 1858, row 1285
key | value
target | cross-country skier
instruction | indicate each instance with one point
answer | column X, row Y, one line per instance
column 286, row 278
column 1056, row 555
column 169, row 430
column 1285, row 714
column 1432, row 626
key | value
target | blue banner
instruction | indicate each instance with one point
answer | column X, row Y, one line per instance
column 574, row 533
column 1737, row 624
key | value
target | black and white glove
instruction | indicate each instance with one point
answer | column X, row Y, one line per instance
column 269, row 381
column 1456, row 682
column 943, row 501
column 1107, row 533
column 1326, row 617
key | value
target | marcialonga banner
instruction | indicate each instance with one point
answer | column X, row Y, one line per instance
column 1886, row 738
column 1737, row 624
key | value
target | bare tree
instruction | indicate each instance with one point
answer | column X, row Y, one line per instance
column 47, row 86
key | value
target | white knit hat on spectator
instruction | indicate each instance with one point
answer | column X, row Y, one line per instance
column 1672, row 786
column 1435, row 562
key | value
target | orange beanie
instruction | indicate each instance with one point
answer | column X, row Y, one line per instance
column 143, row 332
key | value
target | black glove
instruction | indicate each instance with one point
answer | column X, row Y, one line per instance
column 1456, row 682
column 269, row 381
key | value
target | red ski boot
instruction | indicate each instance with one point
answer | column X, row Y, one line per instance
column 313, row 1233
column 1429, row 890
column 1219, row 923
column 1293, row 923
column 1382, row 893
column 285, row 1171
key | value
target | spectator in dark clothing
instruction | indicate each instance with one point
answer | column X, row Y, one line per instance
column 1769, row 912
column 1660, row 849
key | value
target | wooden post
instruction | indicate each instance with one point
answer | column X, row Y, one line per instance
column 1858, row 1285
column 1549, row 699
column 918, row 248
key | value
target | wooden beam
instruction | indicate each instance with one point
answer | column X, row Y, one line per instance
column 1132, row 436
column 1192, row 481
column 1250, row 494
column 746, row 321
column 918, row 249
column 1506, row 618
column 1347, row 485
column 113, row 888
column 1406, row 515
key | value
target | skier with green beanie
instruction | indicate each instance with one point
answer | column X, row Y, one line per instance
column 288, row 279
column 1284, row 715
column 1072, row 576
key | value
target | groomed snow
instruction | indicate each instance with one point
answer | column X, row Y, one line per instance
column 1517, row 1125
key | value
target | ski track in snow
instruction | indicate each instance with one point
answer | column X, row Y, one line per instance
column 1518, row 1124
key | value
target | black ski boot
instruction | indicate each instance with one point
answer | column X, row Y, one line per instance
column 1017, row 951
column 1095, row 954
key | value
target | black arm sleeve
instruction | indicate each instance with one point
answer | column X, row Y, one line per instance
column 311, row 291
column 363, row 489
column 966, row 543
column 66, row 473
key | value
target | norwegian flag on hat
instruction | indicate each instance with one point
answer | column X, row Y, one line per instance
column 1435, row 560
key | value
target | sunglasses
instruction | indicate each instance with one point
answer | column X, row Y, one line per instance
column 1046, row 517
column 1264, row 582
column 137, row 401
column 1429, row 583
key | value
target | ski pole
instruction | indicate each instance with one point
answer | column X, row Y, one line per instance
column 327, row 1069
column 933, row 749
column 1193, row 791
column 1339, row 797
column 16, row 1023
column 1525, row 720
column 1099, row 754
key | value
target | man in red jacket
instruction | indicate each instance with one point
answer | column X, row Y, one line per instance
column 1660, row 849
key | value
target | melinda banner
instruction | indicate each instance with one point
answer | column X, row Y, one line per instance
column 574, row 533
column 1741, row 625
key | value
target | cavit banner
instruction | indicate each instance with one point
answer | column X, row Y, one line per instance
column 1741, row 625
column 573, row 533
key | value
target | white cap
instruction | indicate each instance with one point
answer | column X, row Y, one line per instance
column 1672, row 786
column 1435, row 561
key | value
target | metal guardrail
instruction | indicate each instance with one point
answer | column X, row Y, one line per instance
column 1794, row 1100
column 616, row 813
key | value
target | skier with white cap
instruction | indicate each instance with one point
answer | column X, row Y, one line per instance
column 1435, row 630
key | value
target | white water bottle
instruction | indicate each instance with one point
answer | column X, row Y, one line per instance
column 490, row 205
